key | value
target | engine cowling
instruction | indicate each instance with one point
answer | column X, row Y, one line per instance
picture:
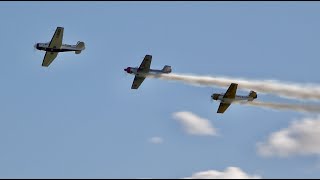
column 215, row 96
column 128, row 70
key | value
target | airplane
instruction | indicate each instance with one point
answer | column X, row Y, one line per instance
column 55, row 46
column 230, row 96
column 144, row 70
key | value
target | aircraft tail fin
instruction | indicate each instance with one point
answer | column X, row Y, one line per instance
column 80, row 46
column 166, row 69
column 253, row 95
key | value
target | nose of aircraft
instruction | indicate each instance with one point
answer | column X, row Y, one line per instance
column 36, row 46
column 215, row 96
column 128, row 70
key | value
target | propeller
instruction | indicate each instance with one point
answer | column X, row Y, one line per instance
column 211, row 99
column 125, row 74
column 34, row 47
column 210, row 94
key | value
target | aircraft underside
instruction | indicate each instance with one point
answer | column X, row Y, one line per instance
column 56, row 50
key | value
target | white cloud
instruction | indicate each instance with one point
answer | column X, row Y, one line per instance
column 156, row 140
column 228, row 173
column 194, row 125
column 300, row 138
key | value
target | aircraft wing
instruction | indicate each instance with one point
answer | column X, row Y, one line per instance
column 231, row 92
column 56, row 40
column 145, row 65
column 48, row 58
column 137, row 82
column 223, row 107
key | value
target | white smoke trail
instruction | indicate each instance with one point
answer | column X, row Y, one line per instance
column 283, row 89
column 280, row 106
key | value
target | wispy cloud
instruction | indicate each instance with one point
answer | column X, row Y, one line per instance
column 228, row 173
column 194, row 124
column 283, row 89
column 156, row 140
column 300, row 138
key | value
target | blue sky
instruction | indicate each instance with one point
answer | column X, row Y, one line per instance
column 80, row 119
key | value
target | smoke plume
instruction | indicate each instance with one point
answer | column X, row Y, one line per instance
column 283, row 89
column 282, row 106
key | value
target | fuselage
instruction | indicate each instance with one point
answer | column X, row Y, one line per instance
column 229, row 100
column 137, row 72
column 63, row 48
